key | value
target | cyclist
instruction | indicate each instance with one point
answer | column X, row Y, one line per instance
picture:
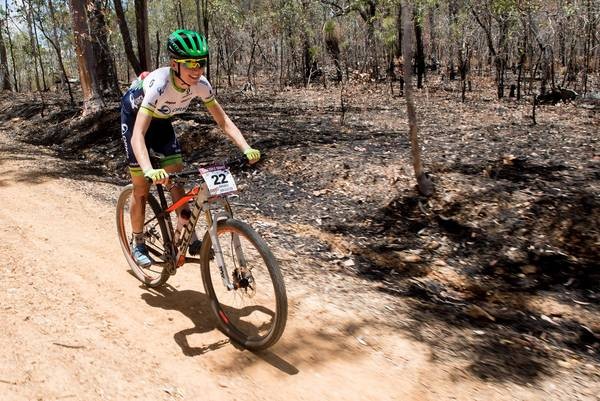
column 146, row 109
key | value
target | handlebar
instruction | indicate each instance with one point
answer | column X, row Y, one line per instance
column 183, row 176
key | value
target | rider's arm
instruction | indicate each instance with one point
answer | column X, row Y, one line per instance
column 142, row 122
column 228, row 127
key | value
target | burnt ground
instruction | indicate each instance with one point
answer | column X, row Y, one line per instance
column 500, row 266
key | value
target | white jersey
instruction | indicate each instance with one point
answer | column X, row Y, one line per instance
column 158, row 96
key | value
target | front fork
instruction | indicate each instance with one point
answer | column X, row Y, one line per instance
column 203, row 203
column 213, row 219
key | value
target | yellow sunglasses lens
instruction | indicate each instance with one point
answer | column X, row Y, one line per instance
column 200, row 63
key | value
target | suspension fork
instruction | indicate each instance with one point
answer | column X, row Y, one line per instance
column 212, row 219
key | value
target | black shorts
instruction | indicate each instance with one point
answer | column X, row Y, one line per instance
column 160, row 136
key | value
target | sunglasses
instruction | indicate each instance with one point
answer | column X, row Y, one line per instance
column 192, row 63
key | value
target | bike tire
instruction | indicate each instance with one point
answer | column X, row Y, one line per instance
column 244, row 323
column 155, row 230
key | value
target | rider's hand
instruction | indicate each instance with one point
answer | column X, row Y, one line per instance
column 158, row 176
column 252, row 154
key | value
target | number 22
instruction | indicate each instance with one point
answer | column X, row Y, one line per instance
column 219, row 179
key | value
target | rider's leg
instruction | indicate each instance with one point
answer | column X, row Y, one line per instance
column 137, row 213
column 177, row 192
column 138, row 203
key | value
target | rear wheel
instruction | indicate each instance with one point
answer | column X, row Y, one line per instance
column 155, row 234
column 254, row 313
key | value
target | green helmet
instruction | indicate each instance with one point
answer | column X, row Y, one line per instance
column 184, row 43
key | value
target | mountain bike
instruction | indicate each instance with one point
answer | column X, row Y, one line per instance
column 240, row 274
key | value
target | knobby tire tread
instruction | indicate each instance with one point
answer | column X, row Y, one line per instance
column 124, row 197
column 274, row 272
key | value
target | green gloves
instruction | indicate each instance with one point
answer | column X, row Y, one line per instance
column 156, row 174
column 252, row 154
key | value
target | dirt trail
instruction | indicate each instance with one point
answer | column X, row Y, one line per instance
column 76, row 325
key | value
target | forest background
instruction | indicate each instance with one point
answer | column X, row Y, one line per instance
column 494, row 275
column 526, row 46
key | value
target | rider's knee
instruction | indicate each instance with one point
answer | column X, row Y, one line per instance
column 140, row 191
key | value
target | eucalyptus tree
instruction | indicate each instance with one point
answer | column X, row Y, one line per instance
column 424, row 184
column 142, row 33
column 133, row 59
column 86, row 60
column 4, row 74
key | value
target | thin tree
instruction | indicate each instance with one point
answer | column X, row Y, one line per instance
column 54, row 42
column 424, row 184
column 143, row 35
column 134, row 61
column 420, row 51
column 37, row 51
column 4, row 75
column 32, row 48
column 203, row 22
column 12, row 51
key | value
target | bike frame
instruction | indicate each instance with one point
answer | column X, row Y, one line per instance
column 214, row 208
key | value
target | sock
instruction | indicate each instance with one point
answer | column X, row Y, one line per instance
column 138, row 238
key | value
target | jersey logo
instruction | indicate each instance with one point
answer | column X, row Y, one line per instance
column 151, row 83
column 161, row 90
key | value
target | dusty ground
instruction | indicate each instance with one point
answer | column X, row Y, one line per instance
column 488, row 290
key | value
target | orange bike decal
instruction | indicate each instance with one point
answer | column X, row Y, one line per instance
column 184, row 199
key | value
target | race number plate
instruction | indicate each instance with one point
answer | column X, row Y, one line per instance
column 219, row 180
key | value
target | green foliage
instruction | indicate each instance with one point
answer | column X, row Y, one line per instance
column 388, row 32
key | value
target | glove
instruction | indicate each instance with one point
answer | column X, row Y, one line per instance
column 156, row 174
column 252, row 154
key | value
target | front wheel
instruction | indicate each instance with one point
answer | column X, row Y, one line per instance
column 254, row 313
column 155, row 235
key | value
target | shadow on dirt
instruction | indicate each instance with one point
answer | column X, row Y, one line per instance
column 477, row 264
column 192, row 304
column 196, row 307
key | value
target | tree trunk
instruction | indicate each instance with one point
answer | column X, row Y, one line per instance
column 92, row 96
column 464, row 55
column 399, row 32
column 452, row 47
column 28, row 18
column 420, row 52
column 205, row 24
column 143, row 36
column 368, row 15
column 12, row 52
column 4, row 75
column 157, row 49
column 281, row 58
column 199, row 16
column 307, row 57
column 424, row 185
column 180, row 20
column 105, row 68
column 252, row 52
column 433, row 33
column 589, row 42
column 522, row 59
column 131, row 57
column 38, row 53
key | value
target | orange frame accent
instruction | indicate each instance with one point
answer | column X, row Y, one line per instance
column 184, row 199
